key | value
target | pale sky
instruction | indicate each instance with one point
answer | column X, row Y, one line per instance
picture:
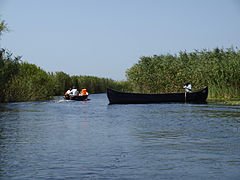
column 104, row 38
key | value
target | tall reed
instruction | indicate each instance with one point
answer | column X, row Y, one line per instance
column 219, row 69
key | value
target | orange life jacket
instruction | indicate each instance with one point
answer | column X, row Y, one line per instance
column 84, row 92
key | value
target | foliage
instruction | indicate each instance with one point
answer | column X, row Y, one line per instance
column 62, row 82
column 9, row 67
column 91, row 83
column 3, row 27
column 218, row 69
column 21, row 81
column 29, row 84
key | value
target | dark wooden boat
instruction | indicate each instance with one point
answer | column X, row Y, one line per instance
column 116, row 97
column 76, row 98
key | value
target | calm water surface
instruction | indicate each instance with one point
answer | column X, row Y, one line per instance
column 93, row 140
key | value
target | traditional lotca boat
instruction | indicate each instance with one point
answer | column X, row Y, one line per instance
column 116, row 97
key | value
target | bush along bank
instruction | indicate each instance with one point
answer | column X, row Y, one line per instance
column 22, row 81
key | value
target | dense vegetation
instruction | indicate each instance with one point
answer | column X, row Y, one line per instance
column 22, row 81
column 219, row 69
column 8, row 68
column 29, row 83
column 62, row 82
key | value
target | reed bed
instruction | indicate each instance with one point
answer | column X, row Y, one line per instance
column 218, row 69
column 22, row 81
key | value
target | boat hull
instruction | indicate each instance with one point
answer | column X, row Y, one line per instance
column 76, row 98
column 116, row 97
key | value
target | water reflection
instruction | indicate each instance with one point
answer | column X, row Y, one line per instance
column 221, row 111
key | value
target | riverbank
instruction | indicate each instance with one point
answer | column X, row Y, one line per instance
column 232, row 102
column 235, row 102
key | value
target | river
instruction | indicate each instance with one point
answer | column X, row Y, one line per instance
column 61, row 139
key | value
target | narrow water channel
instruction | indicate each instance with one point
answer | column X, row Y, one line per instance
column 93, row 140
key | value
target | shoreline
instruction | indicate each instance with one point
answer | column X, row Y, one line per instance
column 235, row 102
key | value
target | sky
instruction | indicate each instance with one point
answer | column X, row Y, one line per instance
column 104, row 38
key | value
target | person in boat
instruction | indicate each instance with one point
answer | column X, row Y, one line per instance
column 188, row 87
column 67, row 93
column 84, row 92
column 74, row 92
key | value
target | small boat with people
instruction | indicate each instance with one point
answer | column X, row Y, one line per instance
column 73, row 94
column 116, row 97
column 76, row 98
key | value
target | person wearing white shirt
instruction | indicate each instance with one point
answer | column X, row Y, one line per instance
column 74, row 92
column 188, row 87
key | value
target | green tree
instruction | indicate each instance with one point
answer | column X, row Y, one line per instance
column 3, row 28
column 29, row 84
column 9, row 67
column 62, row 82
